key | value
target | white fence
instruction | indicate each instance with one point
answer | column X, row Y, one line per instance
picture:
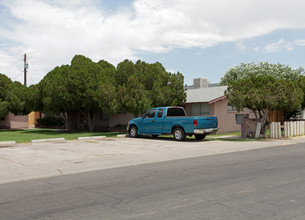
column 275, row 130
column 291, row 129
column 294, row 128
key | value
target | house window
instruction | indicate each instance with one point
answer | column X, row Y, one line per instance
column 2, row 119
column 198, row 109
column 231, row 108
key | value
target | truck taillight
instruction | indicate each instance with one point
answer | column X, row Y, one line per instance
column 195, row 123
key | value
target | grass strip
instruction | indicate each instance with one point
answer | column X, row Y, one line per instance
column 25, row 136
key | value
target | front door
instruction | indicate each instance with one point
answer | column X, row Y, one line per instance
column 148, row 121
column 157, row 122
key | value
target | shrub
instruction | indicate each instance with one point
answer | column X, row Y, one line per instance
column 50, row 120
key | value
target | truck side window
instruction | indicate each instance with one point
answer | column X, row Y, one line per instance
column 175, row 112
column 160, row 113
column 151, row 113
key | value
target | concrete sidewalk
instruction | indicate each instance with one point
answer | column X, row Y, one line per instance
column 38, row 160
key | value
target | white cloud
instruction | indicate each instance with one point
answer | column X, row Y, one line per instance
column 300, row 43
column 277, row 46
column 241, row 45
column 51, row 32
column 280, row 45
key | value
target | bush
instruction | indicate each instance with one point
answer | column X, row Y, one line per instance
column 51, row 121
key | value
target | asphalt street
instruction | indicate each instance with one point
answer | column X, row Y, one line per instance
column 265, row 183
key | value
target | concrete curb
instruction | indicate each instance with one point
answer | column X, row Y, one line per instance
column 7, row 143
column 48, row 140
column 121, row 135
column 92, row 137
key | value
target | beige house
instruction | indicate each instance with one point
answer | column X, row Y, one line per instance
column 204, row 98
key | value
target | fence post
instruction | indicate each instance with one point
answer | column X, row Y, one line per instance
column 271, row 130
column 279, row 129
column 285, row 129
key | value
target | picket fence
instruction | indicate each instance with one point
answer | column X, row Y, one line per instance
column 291, row 129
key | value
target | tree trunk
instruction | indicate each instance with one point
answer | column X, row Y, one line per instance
column 67, row 120
column 90, row 117
column 264, row 121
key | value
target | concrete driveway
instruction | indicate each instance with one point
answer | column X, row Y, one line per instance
column 38, row 160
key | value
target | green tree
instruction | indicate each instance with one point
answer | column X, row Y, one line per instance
column 92, row 87
column 52, row 95
column 5, row 83
column 84, row 86
column 12, row 96
column 142, row 86
column 247, row 70
column 16, row 98
column 261, row 94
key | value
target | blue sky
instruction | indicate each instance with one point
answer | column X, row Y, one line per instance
column 199, row 38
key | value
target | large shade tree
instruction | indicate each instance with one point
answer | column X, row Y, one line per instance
column 92, row 87
column 83, row 86
column 262, row 94
column 142, row 86
column 12, row 97
column 89, row 87
column 247, row 70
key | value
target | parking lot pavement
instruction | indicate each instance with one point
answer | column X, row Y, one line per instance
column 38, row 160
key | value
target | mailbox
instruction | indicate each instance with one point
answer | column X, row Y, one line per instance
column 240, row 121
column 240, row 118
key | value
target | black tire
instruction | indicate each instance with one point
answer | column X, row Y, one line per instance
column 179, row 134
column 133, row 131
column 200, row 136
column 155, row 136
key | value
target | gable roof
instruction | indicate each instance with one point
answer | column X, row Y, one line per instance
column 205, row 94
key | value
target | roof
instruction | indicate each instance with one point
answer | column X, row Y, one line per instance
column 205, row 94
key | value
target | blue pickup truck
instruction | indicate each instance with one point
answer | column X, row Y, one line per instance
column 172, row 120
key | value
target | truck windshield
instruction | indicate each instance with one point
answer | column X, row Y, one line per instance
column 175, row 112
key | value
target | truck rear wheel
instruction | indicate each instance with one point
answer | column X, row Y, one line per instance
column 200, row 136
column 179, row 134
column 133, row 131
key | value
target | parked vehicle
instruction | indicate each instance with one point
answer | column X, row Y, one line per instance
column 172, row 120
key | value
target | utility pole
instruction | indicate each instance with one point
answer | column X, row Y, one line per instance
column 26, row 65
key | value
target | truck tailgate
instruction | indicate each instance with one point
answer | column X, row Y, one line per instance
column 206, row 122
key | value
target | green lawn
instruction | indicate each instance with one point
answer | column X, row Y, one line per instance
column 25, row 136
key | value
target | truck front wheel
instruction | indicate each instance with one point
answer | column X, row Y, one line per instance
column 200, row 136
column 133, row 131
column 179, row 134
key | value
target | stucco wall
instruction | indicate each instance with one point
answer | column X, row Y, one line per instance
column 226, row 119
column 18, row 121
column 120, row 118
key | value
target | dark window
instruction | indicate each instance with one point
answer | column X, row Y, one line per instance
column 231, row 108
column 160, row 113
column 104, row 116
column 150, row 113
column 175, row 112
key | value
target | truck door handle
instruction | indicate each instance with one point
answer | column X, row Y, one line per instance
column 152, row 121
